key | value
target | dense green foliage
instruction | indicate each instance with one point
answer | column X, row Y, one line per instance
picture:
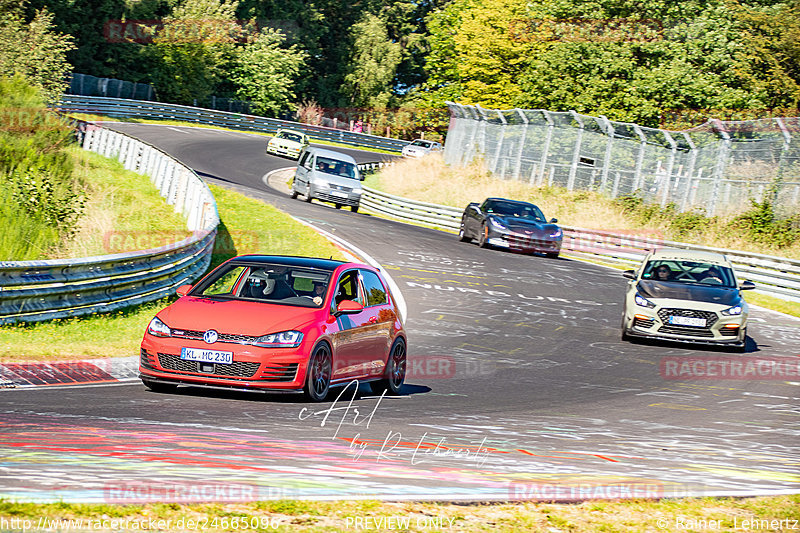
column 31, row 49
column 38, row 189
column 654, row 62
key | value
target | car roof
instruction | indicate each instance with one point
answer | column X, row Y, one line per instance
column 332, row 154
column 678, row 254
column 306, row 262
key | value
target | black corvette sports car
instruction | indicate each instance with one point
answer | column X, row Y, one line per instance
column 511, row 224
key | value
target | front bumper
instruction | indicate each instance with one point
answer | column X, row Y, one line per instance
column 253, row 368
column 654, row 323
column 294, row 153
column 525, row 242
column 326, row 194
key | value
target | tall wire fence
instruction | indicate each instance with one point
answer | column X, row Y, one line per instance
column 718, row 167
column 86, row 85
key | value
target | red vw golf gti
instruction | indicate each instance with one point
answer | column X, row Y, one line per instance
column 270, row 323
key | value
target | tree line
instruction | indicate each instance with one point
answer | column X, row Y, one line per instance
column 669, row 63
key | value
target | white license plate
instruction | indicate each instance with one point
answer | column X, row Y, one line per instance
column 687, row 321
column 207, row 356
column 339, row 194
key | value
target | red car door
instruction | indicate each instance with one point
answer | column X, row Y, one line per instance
column 352, row 341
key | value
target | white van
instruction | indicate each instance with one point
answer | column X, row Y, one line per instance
column 328, row 176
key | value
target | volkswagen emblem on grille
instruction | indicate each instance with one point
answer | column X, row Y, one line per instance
column 210, row 336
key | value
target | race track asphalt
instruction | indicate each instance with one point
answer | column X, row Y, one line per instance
column 519, row 387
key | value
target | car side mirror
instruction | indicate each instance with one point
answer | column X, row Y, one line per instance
column 553, row 220
column 630, row 274
column 747, row 285
column 348, row 307
column 183, row 290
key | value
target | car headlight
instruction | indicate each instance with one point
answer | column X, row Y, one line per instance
column 736, row 310
column 556, row 234
column 643, row 302
column 284, row 339
column 158, row 329
column 496, row 223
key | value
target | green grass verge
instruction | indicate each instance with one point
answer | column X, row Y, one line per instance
column 165, row 122
column 692, row 514
column 248, row 226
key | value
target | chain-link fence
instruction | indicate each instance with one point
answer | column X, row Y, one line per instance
column 718, row 167
column 86, row 85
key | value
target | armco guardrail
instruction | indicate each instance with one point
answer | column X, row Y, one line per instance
column 776, row 276
column 32, row 291
column 118, row 107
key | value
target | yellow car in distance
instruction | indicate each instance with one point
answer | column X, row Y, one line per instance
column 288, row 143
column 686, row 296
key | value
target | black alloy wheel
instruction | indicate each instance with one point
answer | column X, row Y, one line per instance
column 318, row 375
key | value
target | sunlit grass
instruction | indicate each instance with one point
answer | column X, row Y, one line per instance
column 124, row 211
column 688, row 514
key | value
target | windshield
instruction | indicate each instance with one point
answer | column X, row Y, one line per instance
column 336, row 167
column 270, row 283
column 291, row 137
column 510, row 209
column 678, row 271
column 424, row 144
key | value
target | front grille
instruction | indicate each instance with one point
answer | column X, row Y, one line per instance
column 238, row 369
column 173, row 362
column 223, row 337
column 146, row 360
column 693, row 331
column 276, row 372
column 686, row 330
column 335, row 199
column 342, row 188
column 528, row 242
column 710, row 316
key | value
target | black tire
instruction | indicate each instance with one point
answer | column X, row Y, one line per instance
column 338, row 206
column 624, row 335
column 159, row 387
column 354, row 208
column 318, row 374
column 294, row 194
column 395, row 371
column 462, row 234
column 552, row 255
column 483, row 238
column 308, row 198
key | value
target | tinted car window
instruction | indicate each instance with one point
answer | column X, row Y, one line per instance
column 689, row 272
column 266, row 282
column 510, row 209
column 376, row 294
column 335, row 167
